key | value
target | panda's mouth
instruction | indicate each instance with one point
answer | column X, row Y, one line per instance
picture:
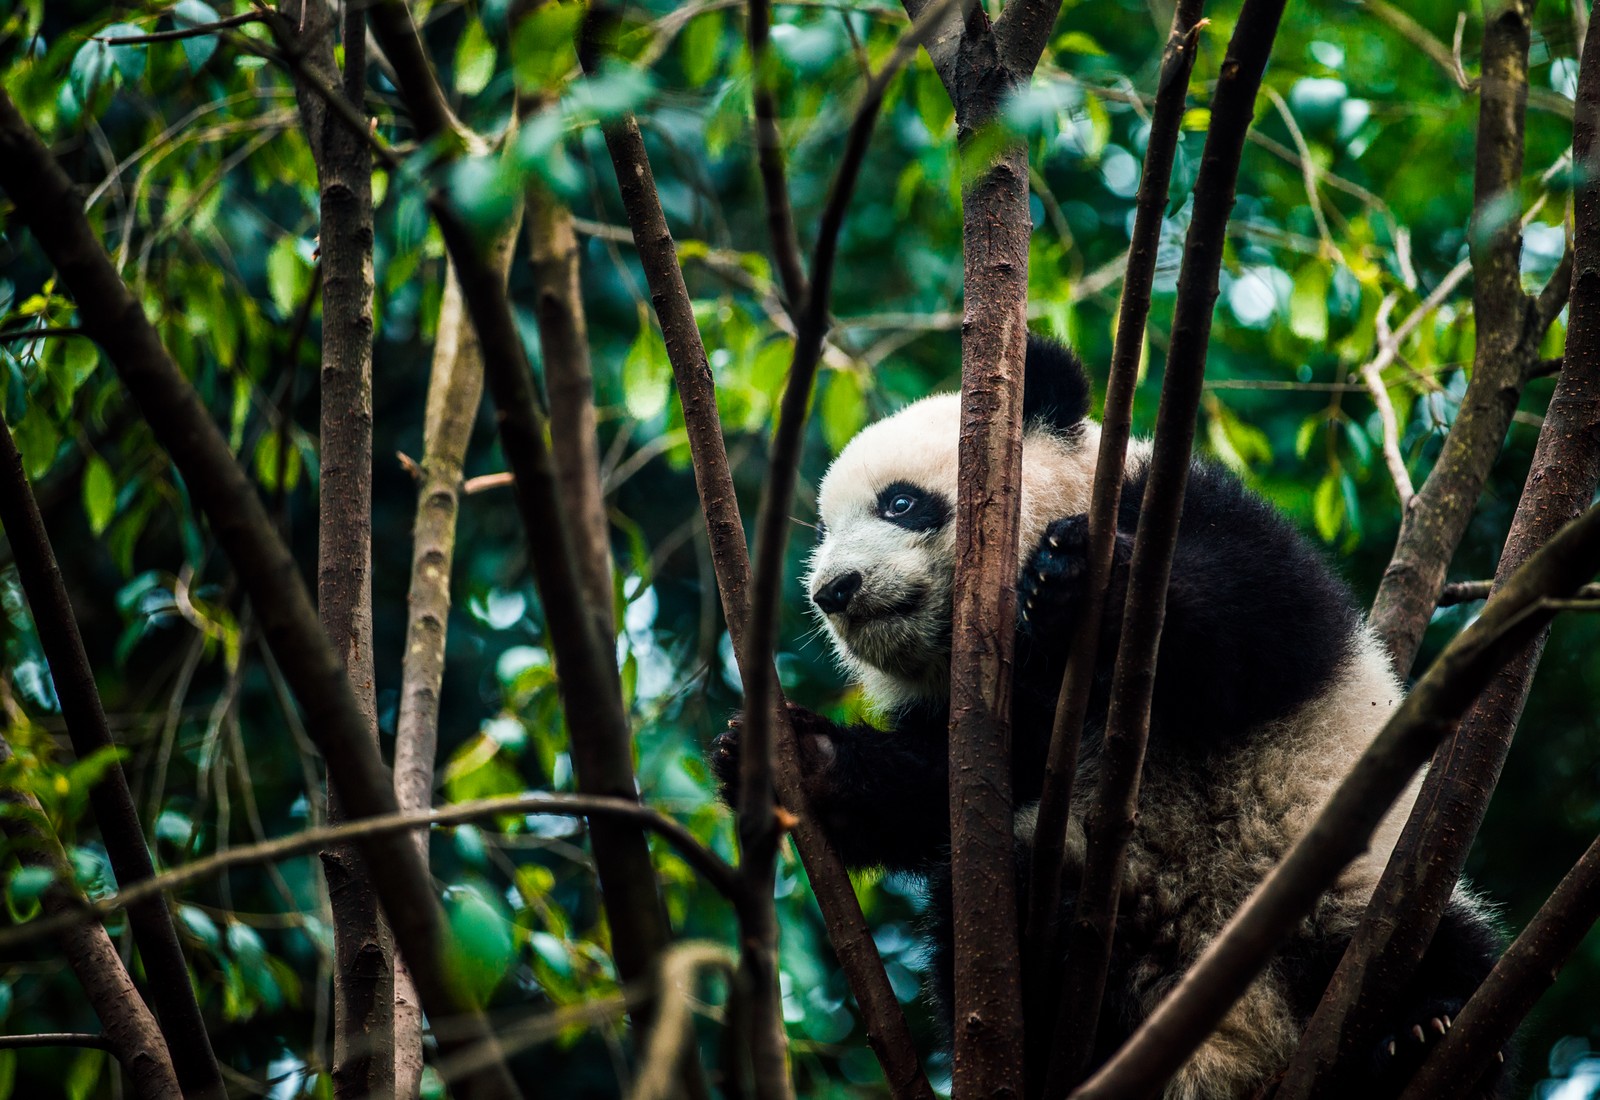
column 863, row 612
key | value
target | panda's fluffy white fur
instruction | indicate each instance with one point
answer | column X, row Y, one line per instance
column 1268, row 688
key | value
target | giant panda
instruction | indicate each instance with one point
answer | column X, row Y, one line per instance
column 1268, row 686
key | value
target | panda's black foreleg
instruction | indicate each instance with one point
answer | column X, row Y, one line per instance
column 881, row 796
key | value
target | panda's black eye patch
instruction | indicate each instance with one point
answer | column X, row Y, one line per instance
column 916, row 509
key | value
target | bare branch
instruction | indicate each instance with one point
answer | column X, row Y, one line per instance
column 847, row 929
column 1434, row 524
column 769, row 156
column 179, row 33
column 1341, row 832
column 590, row 687
column 674, row 1033
column 1116, row 422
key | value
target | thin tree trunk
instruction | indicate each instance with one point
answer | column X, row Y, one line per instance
column 1509, row 331
column 363, row 975
column 130, row 1029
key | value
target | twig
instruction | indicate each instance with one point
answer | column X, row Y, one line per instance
column 705, row 862
column 1308, row 173
column 1055, row 802
column 1341, row 832
column 1460, row 592
column 16, row 334
column 1371, row 374
column 1457, row 69
column 674, row 1034
column 1111, row 817
column 93, row 1039
column 769, row 157
column 180, row 33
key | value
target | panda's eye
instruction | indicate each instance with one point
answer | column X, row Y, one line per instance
column 900, row 504
column 912, row 507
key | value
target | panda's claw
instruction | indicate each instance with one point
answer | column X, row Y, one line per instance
column 1391, row 1048
column 1418, row 1034
column 1447, row 1024
column 1438, row 1025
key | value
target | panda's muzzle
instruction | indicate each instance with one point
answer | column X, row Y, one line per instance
column 834, row 597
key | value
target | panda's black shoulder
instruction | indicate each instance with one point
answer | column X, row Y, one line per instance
column 1055, row 387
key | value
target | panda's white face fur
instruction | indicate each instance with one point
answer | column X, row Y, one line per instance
column 887, row 507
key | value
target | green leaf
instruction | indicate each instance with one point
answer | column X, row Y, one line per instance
column 129, row 60
column 99, row 494
column 542, row 49
column 481, row 944
column 193, row 13
column 474, row 59
column 287, row 276
column 1308, row 303
column 699, row 48
column 1078, row 42
column 84, row 1076
column 91, row 67
column 28, row 883
column 932, row 101
column 645, row 373
column 1327, row 507
column 844, row 412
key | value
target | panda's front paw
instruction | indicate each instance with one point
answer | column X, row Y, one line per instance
column 1052, row 579
column 812, row 734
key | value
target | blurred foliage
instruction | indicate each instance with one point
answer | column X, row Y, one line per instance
column 194, row 169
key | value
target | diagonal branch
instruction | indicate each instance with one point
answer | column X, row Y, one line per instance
column 769, row 157
column 46, row 202
column 591, row 689
column 1516, row 614
column 112, row 802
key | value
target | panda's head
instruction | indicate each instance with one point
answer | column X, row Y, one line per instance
column 880, row 577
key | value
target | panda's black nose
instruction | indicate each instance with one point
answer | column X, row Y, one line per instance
column 834, row 596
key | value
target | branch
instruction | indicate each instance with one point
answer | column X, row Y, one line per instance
column 759, row 828
column 131, row 1032
column 1110, row 820
column 1459, row 592
column 92, row 1039
column 1432, row 527
column 1055, row 802
column 363, row 986
column 574, row 431
column 46, row 202
column 769, row 156
column 847, row 929
column 1341, row 832
column 661, row 1065
column 112, row 802
column 1428, row 859
column 180, row 33
column 1023, row 30
column 591, row 690
column 455, row 391
column 706, row 863
column 1528, row 968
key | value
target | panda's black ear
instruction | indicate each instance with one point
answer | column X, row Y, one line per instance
column 1055, row 388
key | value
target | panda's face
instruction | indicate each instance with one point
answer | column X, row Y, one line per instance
column 880, row 577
